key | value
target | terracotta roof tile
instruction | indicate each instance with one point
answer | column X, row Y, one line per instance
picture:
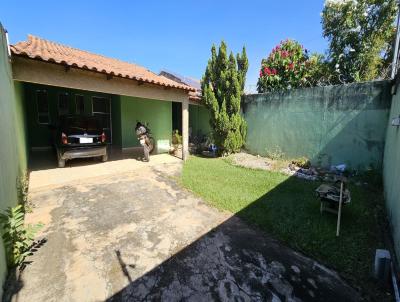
column 48, row 51
column 195, row 96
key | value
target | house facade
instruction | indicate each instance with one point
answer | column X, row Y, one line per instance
column 58, row 80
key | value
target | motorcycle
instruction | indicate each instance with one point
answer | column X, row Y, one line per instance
column 144, row 136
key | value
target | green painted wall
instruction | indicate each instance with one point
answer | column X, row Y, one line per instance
column 199, row 120
column 158, row 115
column 116, row 120
column 39, row 134
column 13, row 153
column 391, row 172
column 329, row 125
column 21, row 127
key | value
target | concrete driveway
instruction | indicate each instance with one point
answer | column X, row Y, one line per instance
column 126, row 231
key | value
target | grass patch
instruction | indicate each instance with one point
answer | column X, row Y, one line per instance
column 286, row 208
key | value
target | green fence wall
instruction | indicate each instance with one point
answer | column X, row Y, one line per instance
column 13, row 154
column 157, row 114
column 330, row 125
column 391, row 172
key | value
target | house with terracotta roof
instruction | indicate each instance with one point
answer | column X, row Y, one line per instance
column 56, row 80
column 42, row 81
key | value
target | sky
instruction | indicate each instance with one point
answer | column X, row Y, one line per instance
column 172, row 35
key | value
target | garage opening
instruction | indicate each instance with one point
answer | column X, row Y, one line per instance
column 45, row 106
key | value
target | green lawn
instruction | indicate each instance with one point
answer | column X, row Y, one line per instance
column 287, row 208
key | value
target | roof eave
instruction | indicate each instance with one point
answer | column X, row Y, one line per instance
column 64, row 63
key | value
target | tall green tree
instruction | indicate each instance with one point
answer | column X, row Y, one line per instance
column 360, row 34
column 222, row 89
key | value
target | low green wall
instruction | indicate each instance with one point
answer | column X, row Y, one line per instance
column 13, row 154
column 330, row 125
column 157, row 114
column 391, row 172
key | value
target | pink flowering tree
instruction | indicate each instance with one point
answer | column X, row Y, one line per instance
column 287, row 66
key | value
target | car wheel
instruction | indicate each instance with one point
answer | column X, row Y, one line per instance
column 104, row 158
column 61, row 163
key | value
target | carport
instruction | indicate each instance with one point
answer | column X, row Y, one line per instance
column 55, row 79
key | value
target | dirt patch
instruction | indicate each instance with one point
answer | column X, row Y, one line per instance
column 252, row 161
column 264, row 163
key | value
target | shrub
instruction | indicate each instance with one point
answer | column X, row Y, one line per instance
column 302, row 162
column 222, row 89
column 22, row 190
column 176, row 138
column 289, row 66
column 275, row 153
column 17, row 237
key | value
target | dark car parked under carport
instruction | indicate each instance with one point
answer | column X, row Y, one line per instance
column 77, row 136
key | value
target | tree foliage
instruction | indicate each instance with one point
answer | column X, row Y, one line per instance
column 222, row 88
column 360, row 35
column 289, row 65
column 17, row 237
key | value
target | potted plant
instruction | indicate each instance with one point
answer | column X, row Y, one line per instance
column 176, row 143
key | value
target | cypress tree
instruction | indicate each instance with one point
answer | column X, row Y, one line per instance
column 222, row 89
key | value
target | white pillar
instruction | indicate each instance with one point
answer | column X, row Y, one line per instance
column 185, row 129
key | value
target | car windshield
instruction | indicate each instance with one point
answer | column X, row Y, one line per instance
column 81, row 123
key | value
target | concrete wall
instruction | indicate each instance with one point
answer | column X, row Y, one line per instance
column 391, row 172
column 158, row 115
column 329, row 125
column 13, row 155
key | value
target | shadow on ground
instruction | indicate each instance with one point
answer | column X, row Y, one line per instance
column 237, row 262
column 14, row 282
column 139, row 236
